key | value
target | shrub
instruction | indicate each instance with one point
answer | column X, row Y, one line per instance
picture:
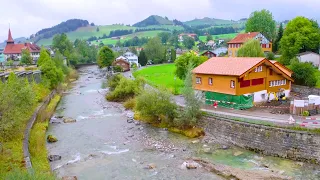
column 305, row 113
column 270, row 56
column 303, row 73
column 117, row 69
column 156, row 105
column 126, row 89
column 130, row 103
column 113, row 81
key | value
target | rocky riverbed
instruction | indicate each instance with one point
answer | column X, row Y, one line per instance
column 100, row 140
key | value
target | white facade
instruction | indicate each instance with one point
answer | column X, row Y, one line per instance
column 35, row 56
column 131, row 58
column 262, row 96
column 311, row 57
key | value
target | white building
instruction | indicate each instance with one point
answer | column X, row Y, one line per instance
column 131, row 58
column 311, row 57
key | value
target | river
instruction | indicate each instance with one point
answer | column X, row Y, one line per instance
column 102, row 145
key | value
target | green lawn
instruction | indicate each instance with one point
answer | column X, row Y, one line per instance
column 130, row 36
column 220, row 36
column 161, row 76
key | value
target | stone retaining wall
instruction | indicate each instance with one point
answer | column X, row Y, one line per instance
column 285, row 143
column 30, row 124
column 305, row 90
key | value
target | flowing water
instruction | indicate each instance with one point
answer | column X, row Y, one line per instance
column 103, row 145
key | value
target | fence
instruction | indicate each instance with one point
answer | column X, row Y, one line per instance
column 302, row 106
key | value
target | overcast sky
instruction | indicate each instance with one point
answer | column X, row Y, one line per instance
column 28, row 17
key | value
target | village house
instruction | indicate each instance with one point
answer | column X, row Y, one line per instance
column 235, row 77
column 180, row 37
column 211, row 44
column 310, row 57
column 123, row 63
column 13, row 51
column 209, row 54
column 240, row 39
column 130, row 57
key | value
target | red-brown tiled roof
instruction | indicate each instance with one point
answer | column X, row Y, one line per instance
column 231, row 66
column 17, row 48
column 242, row 38
column 10, row 39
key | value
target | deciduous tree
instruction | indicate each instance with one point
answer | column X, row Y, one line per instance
column 250, row 48
column 188, row 42
column 183, row 61
column 26, row 57
column 173, row 54
column 303, row 73
column 44, row 56
column 263, row 22
column 300, row 35
column 155, row 50
column 209, row 37
column 105, row 57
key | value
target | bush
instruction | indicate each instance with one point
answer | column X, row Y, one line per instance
column 270, row 56
column 130, row 103
column 126, row 89
column 305, row 113
column 157, row 106
column 303, row 73
column 113, row 81
column 117, row 69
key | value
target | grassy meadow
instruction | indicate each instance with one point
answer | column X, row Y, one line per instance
column 87, row 32
column 161, row 76
column 220, row 36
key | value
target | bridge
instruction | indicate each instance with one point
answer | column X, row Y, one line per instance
column 30, row 75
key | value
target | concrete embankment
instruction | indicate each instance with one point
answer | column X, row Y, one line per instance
column 279, row 142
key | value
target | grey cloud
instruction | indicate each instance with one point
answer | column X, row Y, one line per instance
column 28, row 17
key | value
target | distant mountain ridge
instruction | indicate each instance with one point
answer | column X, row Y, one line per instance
column 153, row 20
column 17, row 40
column 64, row 27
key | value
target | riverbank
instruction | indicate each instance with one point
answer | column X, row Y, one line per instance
column 102, row 144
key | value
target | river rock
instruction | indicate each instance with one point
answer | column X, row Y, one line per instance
column 300, row 163
column 59, row 117
column 207, row 150
column 195, row 141
column 137, row 123
column 69, row 120
column 52, row 158
column 51, row 139
column 224, row 147
column 130, row 120
column 69, row 178
column 151, row 166
column 238, row 153
column 190, row 165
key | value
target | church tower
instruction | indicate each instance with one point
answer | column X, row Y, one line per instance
column 10, row 39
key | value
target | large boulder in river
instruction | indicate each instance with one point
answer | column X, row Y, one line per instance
column 69, row 120
column 51, row 139
column 52, row 158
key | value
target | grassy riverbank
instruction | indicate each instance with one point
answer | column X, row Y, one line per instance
column 38, row 150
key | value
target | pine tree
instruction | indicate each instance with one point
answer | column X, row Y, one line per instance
column 142, row 58
column 276, row 43
column 173, row 54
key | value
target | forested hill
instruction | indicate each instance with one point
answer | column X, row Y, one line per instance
column 154, row 20
column 64, row 27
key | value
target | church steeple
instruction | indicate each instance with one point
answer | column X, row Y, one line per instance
column 10, row 39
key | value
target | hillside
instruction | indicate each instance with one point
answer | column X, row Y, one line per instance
column 153, row 20
column 210, row 21
column 64, row 27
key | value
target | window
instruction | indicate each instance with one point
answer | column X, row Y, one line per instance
column 257, row 81
column 232, row 84
column 277, row 83
column 267, row 45
column 198, row 80
column 270, row 72
column 210, row 81
column 245, row 83
column 258, row 69
column 270, row 84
